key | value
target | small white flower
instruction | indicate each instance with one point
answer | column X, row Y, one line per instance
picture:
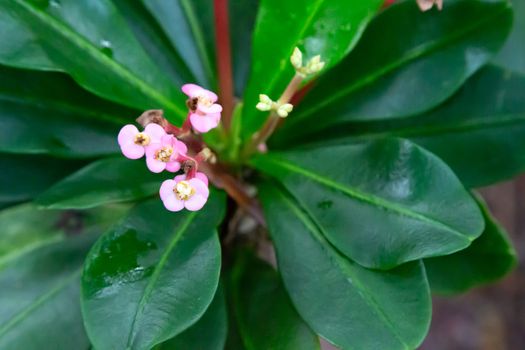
column 314, row 65
column 283, row 110
column 265, row 103
column 297, row 58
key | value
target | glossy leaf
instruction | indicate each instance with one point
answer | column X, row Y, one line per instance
column 157, row 271
column 425, row 59
column 488, row 258
column 184, row 26
column 349, row 305
column 209, row 333
column 24, row 227
column 265, row 316
column 25, row 176
column 479, row 132
column 154, row 41
column 329, row 28
column 20, row 47
column 104, row 181
column 40, row 296
column 47, row 113
column 382, row 203
column 512, row 55
column 113, row 64
column 40, row 263
column 242, row 23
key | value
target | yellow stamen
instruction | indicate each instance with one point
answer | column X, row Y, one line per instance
column 164, row 154
column 142, row 139
column 183, row 190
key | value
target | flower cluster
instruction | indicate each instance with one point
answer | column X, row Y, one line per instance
column 165, row 150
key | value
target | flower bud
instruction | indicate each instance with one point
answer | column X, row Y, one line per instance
column 283, row 110
column 265, row 103
column 297, row 58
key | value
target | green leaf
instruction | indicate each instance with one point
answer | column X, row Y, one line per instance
column 104, row 181
column 47, row 113
column 184, row 26
column 487, row 259
column 93, row 43
column 512, row 55
column 40, row 263
column 264, row 314
column 213, row 324
column 329, row 28
column 154, row 41
column 25, row 176
column 25, row 228
column 382, row 203
column 157, row 272
column 425, row 59
column 242, row 24
column 20, row 47
column 350, row 306
column 479, row 132
column 40, row 295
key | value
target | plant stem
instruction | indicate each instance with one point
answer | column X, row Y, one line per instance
column 273, row 120
column 224, row 67
column 222, row 179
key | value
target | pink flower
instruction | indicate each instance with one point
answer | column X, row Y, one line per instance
column 205, row 114
column 134, row 143
column 163, row 155
column 180, row 193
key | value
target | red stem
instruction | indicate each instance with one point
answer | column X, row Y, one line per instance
column 224, row 64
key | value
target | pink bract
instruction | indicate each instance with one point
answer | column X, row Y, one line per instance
column 127, row 138
column 163, row 155
column 196, row 201
column 205, row 114
column 194, row 91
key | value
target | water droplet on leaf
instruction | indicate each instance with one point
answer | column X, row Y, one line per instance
column 105, row 47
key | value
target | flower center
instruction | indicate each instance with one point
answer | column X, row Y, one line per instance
column 164, row 154
column 183, row 190
column 142, row 139
column 194, row 102
column 205, row 101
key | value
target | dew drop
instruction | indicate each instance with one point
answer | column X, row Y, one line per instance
column 54, row 4
column 105, row 47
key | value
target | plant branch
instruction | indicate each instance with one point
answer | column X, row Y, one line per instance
column 273, row 120
column 221, row 179
column 224, row 66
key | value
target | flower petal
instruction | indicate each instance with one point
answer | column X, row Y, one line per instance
column 196, row 202
column 155, row 132
column 173, row 166
column 167, row 140
column 214, row 108
column 209, row 95
column 192, row 90
column 181, row 147
column 127, row 134
column 180, row 178
column 203, row 123
column 172, row 203
column 166, row 189
column 202, row 177
column 132, row 151
column 200, row 187
column 154, row 165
